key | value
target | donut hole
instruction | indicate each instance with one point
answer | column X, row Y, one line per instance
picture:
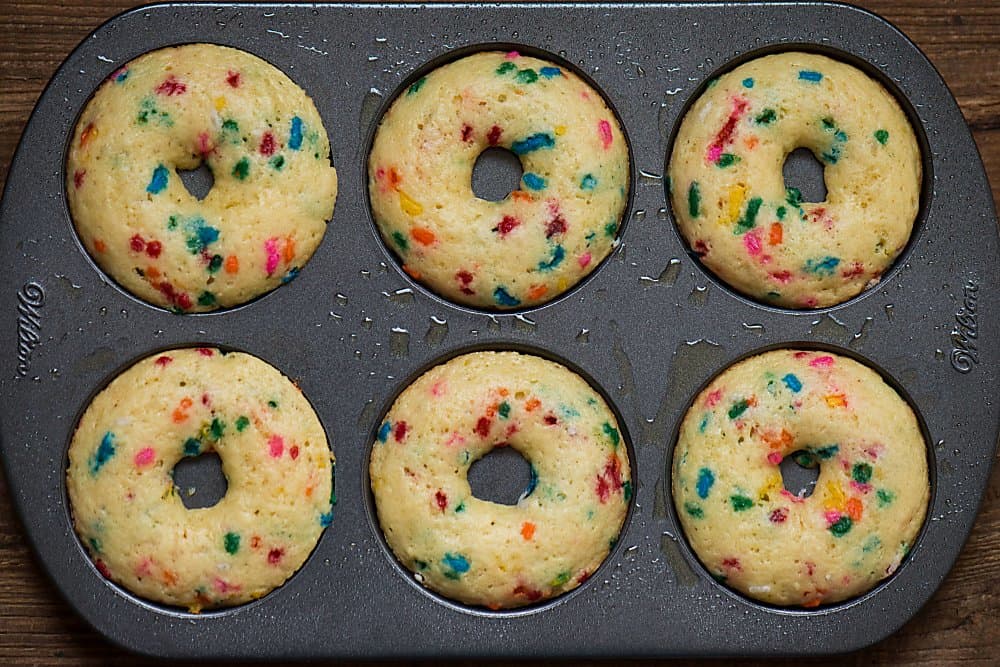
column 198, row 181
column 496, row 174
column 799, row 472
column 804, row 173
column 502, row 476
column 200, row 481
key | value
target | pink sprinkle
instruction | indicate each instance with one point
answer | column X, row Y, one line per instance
column 454, row 439
column 774, row 458
column 205, row 351
column 791, row 496
column 874, row 451
column 144, row 457
column 604, row 129
column 751, row 241
column 713, row 398
column 832, row 517
column 440, row 388
column 78, row 178
column 584, row 260
column 222, row 586
column 163, row 361
column 512, row 55
column 858, row 486
column 143, row 568
column 731, row 563
column 714, row 152
column 273, row 257
column 171, row 86
column 205, row 144
column 277, row 446
column 810, row 302
column 821, row 361
column 779, row 515
column 274, row 556
column 783, row 277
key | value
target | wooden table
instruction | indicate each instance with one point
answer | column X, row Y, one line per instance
column 961, row 623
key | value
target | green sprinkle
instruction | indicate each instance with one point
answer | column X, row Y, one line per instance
column 232, row 542
column 560, row 579
column 738, row 408
column 460, row 507
column 861, row 473
column 277, row 162
column 740, row 502
column 400, row 241
column 215, row 263
column 192, row 447
column 172, row 222
column 885, row 497
column 506, row 67
column 765, row 117
column 727, row 160
column 805, row 460
column 273, row 404
column 781, row 212
column 241, row 423
column 416, row 86
column 230, row 125
column 627, row 490
column 828, row 123
column 612, row 433
column 216, row 429
column 827, row 452
column 242, row 169
column 95, row 544
column 871, row 544
column 610, row 228
column 793, row 196
column 841, row 527
column 206, row 299
column 694, row 510
column 749, row 219
column 420, row 564
column 694, row 200
column 881, row 136
column 504, row 409
column 526, row 76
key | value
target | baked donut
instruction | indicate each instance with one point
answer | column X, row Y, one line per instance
column 175, row 109
column 484, row 553
column 128, row 512
column 542, row 238
column 729, row 196
column 869, row 501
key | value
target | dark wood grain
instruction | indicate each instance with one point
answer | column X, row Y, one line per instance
column 958, row 626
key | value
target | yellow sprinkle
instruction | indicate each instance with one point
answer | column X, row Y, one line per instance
column 561, row 285
column 772, row 485
column 560, row 130
column 835, row 499
column 737, row 194
column 835, row 400
column 409, row 206
column 220, row 103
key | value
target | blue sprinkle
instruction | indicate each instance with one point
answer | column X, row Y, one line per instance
column 295, row 136
column 534, row 181
column 748, row 82
column 549, row 72
column 792, row 382
column 822, row 267
column 704, row 422
column 192, row 447
column 705, row 481
column 558, row 255
column 457, row 565
column 840, row 135
column 159, row 180
column 120, row 78
column 326, row 519
column 207, row 235
column 533, row 143
column 504, row 298
column 103, row 454
column 290, row 276
column 588, row 182
column 384, row 431
column 532, row 483
column 810, row 76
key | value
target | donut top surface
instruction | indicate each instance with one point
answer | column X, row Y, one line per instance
column 542, row 238
column 485, row 553
column 869, row 501
column 729, row 195
column 172, row 110
column 128, row 512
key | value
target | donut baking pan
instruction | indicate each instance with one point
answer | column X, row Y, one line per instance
column 650, row 327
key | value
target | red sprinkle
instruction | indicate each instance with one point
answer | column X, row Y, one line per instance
column 233, row 78
column 507, row 225
column 267, row 144
column 163, row 361
column 725, row 135
column 78, row 178
column 779, row 515
column 467, row 133
column 557, row 225
column 102, row 568
column 774, row 458
column 610, row 479
column 205, row 351
column 782, row 277
column 274, row 556
column 205, row 400
column 441, row 499
column 701, row 248
column 483, row 427
column 171, row 86
column 856, row 269
column 294, row 452
column 493, row 136
column 530, row 593
column 550, row 419
column 154, row 248
column 732, row 563
column 205, row 144
column 276, row 445
column 464, row 277
column 399, row 431
column 136, row 243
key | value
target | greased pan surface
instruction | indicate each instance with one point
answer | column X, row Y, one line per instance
column 649, row 328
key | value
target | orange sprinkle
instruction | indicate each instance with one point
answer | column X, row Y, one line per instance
column 412, row 272
column 288, row 251
column 776, row 233
column 784, row 439
column 751, row 141
column 152, row 272
column 423, row 236
column 309, row 491
column 503, row 391
column 169, row 577
column 88, row 133
column 854, row 509
column 492, row 410
column 532, row 404
column 394, row 178
column 232, row 264
column 537, row 291
column 815, row 602
column 527, row 530
column 520, row 195
column 836, row 401
column 186, row 402
column 99, row 245
column 179, row 416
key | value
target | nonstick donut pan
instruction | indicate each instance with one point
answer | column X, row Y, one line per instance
column 649, row 328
